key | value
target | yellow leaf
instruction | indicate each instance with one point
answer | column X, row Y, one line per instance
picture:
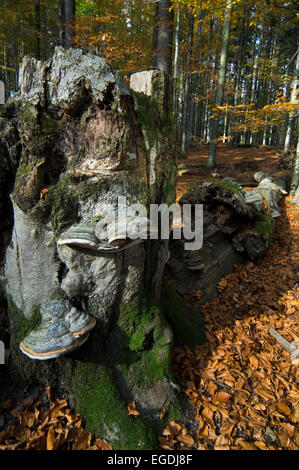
column 221, row 397
column 51, row 439
column 132, row 409
column 283, row 408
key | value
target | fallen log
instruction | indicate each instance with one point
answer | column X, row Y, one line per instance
column 236, row 226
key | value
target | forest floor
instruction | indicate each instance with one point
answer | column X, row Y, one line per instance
column 241, row 383
column 239, row 163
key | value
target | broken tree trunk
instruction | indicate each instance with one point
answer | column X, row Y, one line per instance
column 77, row 138
column 235, row 227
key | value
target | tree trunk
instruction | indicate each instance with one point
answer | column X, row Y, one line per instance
column 295, row 100
column 37, row 28
column 221, row 83
column 89, row 153
column 175, row 61
column 163, row 37
column 69, row 10
column 62, row 22
column 187, row 91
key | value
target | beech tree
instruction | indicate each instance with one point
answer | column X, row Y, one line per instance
column 69, row 26
column 221, row 81
column 163, row 36
column 295, row 99
column 232, row 68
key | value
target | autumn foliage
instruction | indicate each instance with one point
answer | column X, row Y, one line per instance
column 46, row 428
column 241, row 383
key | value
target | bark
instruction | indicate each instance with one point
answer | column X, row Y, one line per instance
column 69, row 9
column 37, row 28
column 163, row 37
column 62, row 22
column 175, row 61
column 195, row 107
column 221, row 83
column 95, row 145
column 294, row 99
column 187, row 90
column 295, row 179
column 233, row 230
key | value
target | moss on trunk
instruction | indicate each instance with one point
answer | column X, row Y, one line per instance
column 106, row 415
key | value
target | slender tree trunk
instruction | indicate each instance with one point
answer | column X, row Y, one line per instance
column 187, row 97
column 44, row 32
column 6, row 77
column 175, row 61
column 290, row 68
column 292, row 116
column 69, row 11
column 195, row 80
column 62, row 22
column 163, row 36
column 295, row 100
column 221, row 83
column 37, row 28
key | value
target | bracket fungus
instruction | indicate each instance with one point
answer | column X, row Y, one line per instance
column 112, row 236
column 63, row 329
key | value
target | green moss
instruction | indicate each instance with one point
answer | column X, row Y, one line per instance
column 24, row 169
column 175, row 411
column 265, row 227
column 96, row 219
column 146, row 352
column 8, row 109
column 23, row 325
column 59, row 206
column 153, row 121
column 191, row 187
column 38, row 130
column 98, row 400
column 226, row 185
column 91, row 191
column 188, row 326
column 170, row 174
column 148, row 113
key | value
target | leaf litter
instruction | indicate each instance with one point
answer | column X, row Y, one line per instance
column 39, row 428
column 241, row 383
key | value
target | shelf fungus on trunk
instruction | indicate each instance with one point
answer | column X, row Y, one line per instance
column 111, row 237
column 63, row 329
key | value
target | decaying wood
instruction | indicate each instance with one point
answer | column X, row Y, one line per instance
column 292, row 348
column 235, row 227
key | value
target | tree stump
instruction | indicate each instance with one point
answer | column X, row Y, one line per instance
column 80, row 139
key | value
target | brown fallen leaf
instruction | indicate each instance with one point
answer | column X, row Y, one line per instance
column 82, row 440
column 163, row 412
column 221, row 397
column 51, row 439
column 260, row 445
column 283, row 408
column 102, row 444
column 186, row 440
column 132, row 409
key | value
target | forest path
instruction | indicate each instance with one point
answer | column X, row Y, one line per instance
column 239, row 163
column 241, row 383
